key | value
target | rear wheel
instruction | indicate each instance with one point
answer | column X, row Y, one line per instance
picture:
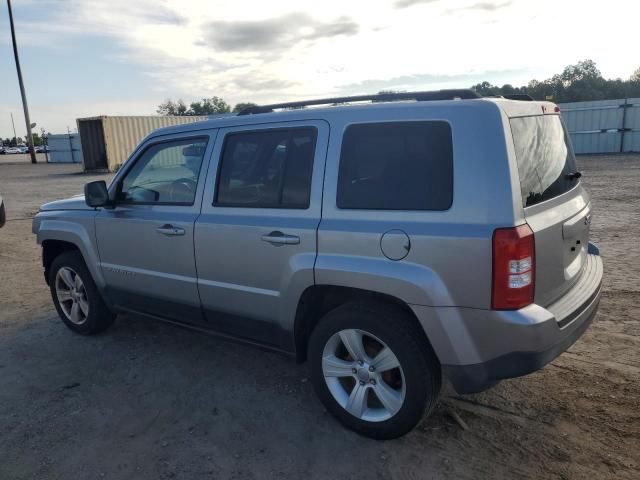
column 76, row 296
column 373, row 370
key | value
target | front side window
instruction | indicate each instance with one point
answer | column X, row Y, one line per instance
column 267, row 169
column 166, row 173
column 396, row 166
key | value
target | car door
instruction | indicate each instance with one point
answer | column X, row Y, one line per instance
column 255, row 241
column 145, row 242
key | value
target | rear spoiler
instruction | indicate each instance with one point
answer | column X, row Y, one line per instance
column 518, row 96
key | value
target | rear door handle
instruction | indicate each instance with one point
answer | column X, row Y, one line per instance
column 170, row 230
column 279, row 238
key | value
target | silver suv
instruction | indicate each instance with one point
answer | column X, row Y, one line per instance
column 392, row 244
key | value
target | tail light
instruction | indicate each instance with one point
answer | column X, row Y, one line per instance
column 513, row 268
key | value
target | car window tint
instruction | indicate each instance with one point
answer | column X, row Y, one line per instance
column 545, row 158
column 269, row 168
column 396, row 166
column 166, row 172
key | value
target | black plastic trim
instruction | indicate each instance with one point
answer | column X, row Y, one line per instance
column 481, row 376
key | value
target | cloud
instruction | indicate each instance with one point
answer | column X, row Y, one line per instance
column 488, row 6
column 425, row 81
column 257, row 81
column 410, row 3
column 485, row 6
column 274, row 34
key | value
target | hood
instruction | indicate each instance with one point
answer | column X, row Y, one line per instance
column 73, row 203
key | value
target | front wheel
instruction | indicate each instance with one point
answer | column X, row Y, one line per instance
column 76, row 296
column 373, row 369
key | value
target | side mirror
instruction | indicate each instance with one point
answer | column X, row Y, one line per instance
column 96, row 194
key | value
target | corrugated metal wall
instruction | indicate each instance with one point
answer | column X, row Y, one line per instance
column 64, row 148
column 123, row 134
column 605, row 126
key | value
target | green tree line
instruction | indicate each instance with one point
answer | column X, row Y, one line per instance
column 577, row 83
column 14, row 142
column 207, row 106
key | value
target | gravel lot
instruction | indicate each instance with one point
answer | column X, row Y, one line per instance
column 147, row 400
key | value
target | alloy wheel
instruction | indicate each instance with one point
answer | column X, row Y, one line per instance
column 72, row 295
column 363, row 375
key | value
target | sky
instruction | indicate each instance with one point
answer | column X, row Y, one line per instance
column 84, row 58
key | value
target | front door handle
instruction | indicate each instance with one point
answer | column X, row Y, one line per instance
column 170, row 230
column 279, row 238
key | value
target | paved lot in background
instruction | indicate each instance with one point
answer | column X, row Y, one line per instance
column 147, row 400
column 20, row 158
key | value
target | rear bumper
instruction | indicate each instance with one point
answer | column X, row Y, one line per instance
column 480, row 376
column 486, row 346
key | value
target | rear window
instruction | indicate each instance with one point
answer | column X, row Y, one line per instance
column 544, row 157
column 267, row 169
column 396, row 166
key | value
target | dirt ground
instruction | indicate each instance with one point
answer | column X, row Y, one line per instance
column 147, row 400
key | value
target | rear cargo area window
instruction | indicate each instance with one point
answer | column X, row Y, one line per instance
column 396, row 166
column 545, row 158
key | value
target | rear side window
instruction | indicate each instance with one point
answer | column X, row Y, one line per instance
column 267, row 169
column 545, row 158
column 396, row 166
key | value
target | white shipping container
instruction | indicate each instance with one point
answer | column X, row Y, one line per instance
column 64, row 148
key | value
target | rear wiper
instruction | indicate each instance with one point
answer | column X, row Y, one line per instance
column 573, row 175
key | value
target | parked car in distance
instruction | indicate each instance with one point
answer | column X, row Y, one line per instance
column 2, row 150
column 42, row 149
column 13, row 150
column 421, row 237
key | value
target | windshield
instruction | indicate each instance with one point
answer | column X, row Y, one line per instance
column 545, row 158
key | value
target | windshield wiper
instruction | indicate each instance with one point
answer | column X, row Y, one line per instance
column 573, row 175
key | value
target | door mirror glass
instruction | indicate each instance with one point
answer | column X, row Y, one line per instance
column 96, row 194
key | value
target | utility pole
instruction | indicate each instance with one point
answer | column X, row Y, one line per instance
column 14, row 130
column 24, row 96
column 45, row 144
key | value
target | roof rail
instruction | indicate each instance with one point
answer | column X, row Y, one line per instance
column 380, row 97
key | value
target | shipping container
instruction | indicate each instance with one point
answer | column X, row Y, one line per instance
column 603, row 126
column 64, row 148
column 108, row 141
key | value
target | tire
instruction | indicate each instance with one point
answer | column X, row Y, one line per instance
column 415, row 383
column 92, row 315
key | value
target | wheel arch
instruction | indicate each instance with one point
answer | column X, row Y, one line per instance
column 58, row 236
column 52, row 248
column 318, row 300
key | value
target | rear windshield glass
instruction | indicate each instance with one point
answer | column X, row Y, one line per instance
column 545, row 158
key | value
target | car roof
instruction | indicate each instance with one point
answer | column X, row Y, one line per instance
column 512, row 108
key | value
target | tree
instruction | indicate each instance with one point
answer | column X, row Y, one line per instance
column 171, row 108
column 583, row 70
column 576, row 83
column 486, row 89
column 12, row 142
column 209, row 106
column 242, row 105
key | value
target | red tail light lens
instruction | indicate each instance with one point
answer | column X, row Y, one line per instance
column 513, row 268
